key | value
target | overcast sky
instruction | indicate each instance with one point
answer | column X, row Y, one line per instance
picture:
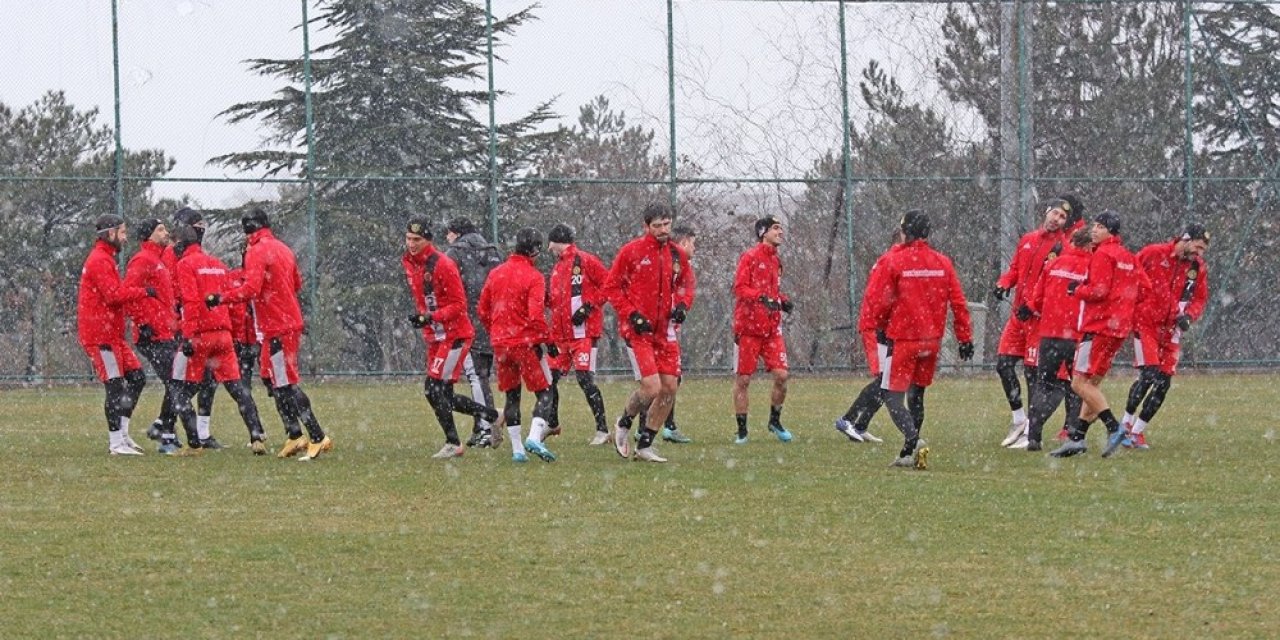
column 753, row 97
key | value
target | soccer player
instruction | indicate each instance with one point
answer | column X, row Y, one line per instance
column 1179, row 290
column 854, row 423
column 650, row 286
column 1109, row 295
column 512, row 305
column 188, row 217
column 919, row 284
column 272, row 283
column 1057, row 325
column 685, row 237
column 207, row 348
column 1018, row 340
column 757, row 325
column 576, row 300
column 441, row 303
column 100, row 305
column 475, row 258
column 154, row 321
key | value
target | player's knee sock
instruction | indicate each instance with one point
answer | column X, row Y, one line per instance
column 595, row 399
column 775, row 416
column 439, row 399
column 306, row 415
column 865, row 406
column 248, row 408
column 1109, row 420
column 544, row 405
column 117, row 391
column 1049, row 394
column 895, row 403
column 183, row 394
column 1074, row 405
column 1030, row 373
column 1007, row 369
column 552, row 412
column 288, row 413
column 915, row 405
column 1156, row 398
column 741, row 418
column 204, row 400
column 135, row 380
column 511, row 410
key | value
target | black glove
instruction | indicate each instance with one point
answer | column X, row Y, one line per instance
column 151, row 292
column 787, row 305
column 770, row 303
column 679, row 313
column 1000, row 293
column 639, row 323
column 552, row 350
column 1024, row 313
column 212, row 300
column 419, row 320
column 1072, row 286
column 146, row 333
column 1183, row 321
column 188, row 349
column 966, row 351
column 881, row 337
column 580, row 316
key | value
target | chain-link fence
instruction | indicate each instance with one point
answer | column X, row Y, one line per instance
column 343, row 118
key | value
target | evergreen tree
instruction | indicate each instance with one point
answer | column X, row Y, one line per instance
column 397, row 93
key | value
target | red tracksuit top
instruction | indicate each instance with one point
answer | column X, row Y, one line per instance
column 1029, row 260
column 1171, row 295
column 147, row 269
column 578, row 277
column 102, row 297
column 759, row 274
column 200, row 274
column 242, row 330
column 652, row 278
column 920, row 284
column 873, row 295
column 1112, row 290
column 271, row 284
column 513, row 303
column 443, row 296
column 1059, row 312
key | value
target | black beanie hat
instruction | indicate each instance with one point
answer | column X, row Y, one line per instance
column 561, row 233
column 107, row 222
column 528, row 242
column 1195, row 231
column 462, row 226
column 254, row 221
column 419, row 226
column 1110, row 220
column 915, row 225
column 187, row 215
column 1071, row 204
column 763, row 225
column 146, row 227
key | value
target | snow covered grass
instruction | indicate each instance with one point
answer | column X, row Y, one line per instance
column 818, row 538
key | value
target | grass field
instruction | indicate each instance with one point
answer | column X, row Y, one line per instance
column 818, row 538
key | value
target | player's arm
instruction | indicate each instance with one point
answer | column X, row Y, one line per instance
column 451, row 297
column 1102, row 270
column 254, row 274
column 617, row 283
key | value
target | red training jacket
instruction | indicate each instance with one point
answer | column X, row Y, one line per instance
column 102, row 297
column 513, row 303
column 200, row 274
column 920, row 284
column 1171, row 295
column 271, row 284
column 1112, row 290
column 1059, row 312
column 147, row 269
column 1029, row 260
column 442, row 295
column 242, row 330
column 578, row 277
column 650, row 277
column 759, row 274
column 873, row 295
